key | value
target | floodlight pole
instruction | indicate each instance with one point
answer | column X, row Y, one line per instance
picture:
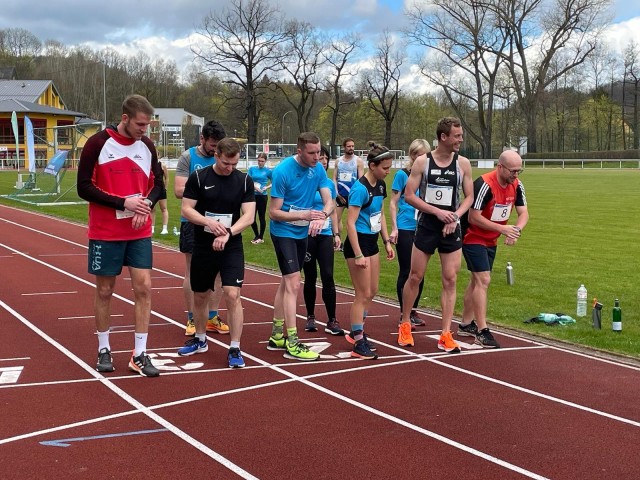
column 282, row 126
column 104, row 90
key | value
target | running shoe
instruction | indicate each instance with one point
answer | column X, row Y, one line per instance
column 361, row 350
column 235, row 358
column 352, row 340
column 142, row 364
column 416, row 320
column 486, row 340
column 193, row 346
column 405, row 339
column 277, row 343
column 333, row 327
column 259, row 241
column 469, row 330
column 448, row 344
column 216, row 325
column 255, row 241
column 310, row 326
column 413, row 327
column 190, row 329
column 105, row 362
column 299, row 351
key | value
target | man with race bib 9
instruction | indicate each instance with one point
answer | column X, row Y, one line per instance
column 495, row 195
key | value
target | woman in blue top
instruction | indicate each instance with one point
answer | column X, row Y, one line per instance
column 365, row 222
column 403, row 226
column 320, row 251
column 261, row 175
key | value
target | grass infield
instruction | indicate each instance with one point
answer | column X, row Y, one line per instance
column 582, row 229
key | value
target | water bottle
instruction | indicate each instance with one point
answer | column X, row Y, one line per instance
column 581, row 310
column 510, row 279
column 596, row 314
column 616, row 324
column 176, row 231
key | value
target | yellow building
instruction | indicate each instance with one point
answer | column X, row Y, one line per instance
column 52, row 122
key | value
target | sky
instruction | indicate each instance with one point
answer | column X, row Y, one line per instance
column 166, row 29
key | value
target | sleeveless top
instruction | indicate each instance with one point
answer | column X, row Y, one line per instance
column 347, row 174
column 440, row 187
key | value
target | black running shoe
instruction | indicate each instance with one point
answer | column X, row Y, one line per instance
column 361, row 350
column 415, row 320
column 310, row 326
column 333, row 327
column 470, row 330
column 142, row 365
column 105, row 362
column 486, row 340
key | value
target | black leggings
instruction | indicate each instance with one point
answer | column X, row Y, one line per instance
column 261, row 209
column 403, row 249
column 320, row 250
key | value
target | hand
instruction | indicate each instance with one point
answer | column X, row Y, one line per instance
column 510, row 241
column 341, row 198
column 220, row 242
column 216, row 227
column 139, row 220
column 315, row 227
column 391, row 254
column 446, row 216
column 317, row 215
column 511, row 231
column 337, row 241
column 449, row 228
column 394, row 236
column 362, row 262
column 137, row 205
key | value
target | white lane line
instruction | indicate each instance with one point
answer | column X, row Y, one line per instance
column 14, row 359
column 38, row 294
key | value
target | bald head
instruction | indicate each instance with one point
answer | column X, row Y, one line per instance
column 509, row 157
column 510, row 164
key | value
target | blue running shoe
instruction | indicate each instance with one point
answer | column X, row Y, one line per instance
column 235, row 358
column 193, row 346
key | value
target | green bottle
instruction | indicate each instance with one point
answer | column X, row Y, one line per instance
column 616, row 324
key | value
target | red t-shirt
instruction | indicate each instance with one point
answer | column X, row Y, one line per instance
column 113, row 167
column 495, row 203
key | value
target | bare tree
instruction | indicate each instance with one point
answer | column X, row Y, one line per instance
column 301, row 58
column 382, row 82
column 241, row 43
column 538, row 31
column 461, row 33
column 338, row 55
column 631, row 87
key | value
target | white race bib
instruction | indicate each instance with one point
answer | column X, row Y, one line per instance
column 299, row 223
column 439, row 195
column 375, row 220
column 120, row 214
column 345, row 176
column 224, row 218
column 500, row 213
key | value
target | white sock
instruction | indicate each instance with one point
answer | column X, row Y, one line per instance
column 153, row 229
column 201, row 336
column 141, row 343
column 103, row 340
column 235, row 345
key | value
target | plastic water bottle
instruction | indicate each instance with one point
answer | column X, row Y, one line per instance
column 616, row 324
column 581, row 310
column 510, row 279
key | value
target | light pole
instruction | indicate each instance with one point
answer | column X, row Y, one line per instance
column 282, row 133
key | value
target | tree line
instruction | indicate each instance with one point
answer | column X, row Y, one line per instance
column 515, row 72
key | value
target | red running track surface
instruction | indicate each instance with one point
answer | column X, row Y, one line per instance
column 527, row 410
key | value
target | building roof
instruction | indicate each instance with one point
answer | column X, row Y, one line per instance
column 27, row 90
column 20, row 106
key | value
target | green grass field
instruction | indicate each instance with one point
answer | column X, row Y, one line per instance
column 582, row 229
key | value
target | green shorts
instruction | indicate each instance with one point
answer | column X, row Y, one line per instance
column 106, row 258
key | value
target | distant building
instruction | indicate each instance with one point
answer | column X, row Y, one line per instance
column 175, row 128
column 42, row 103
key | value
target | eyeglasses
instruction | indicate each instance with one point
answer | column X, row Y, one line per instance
column 512, row 172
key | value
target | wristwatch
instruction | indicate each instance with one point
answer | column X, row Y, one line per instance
column 455, row 217
column 148, row 202
column 325, row 214
column 229, row 232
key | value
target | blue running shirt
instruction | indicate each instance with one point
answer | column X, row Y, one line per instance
column 297, row 186
column 370, row 217
column 318, row 205
column 406, row 214
column 261, row 176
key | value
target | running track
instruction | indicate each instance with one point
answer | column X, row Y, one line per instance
column 528, row 410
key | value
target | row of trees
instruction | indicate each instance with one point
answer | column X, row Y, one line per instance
column 510, row 69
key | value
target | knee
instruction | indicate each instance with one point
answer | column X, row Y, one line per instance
column 104, row 292
column 449, row 282
column 232, row 296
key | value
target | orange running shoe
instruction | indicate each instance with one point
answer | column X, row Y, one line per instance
column 448, row 344
column 405, row 339
column 216, row 324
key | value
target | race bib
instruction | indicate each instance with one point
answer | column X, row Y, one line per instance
column 439, row 195
column 345, row 176
column 224, row 218
column 375, row 221
column 299, row 223
column 500, row 213
column 120, row 214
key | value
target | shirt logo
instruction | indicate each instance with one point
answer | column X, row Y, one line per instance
column 207, row 187
column 449, row 172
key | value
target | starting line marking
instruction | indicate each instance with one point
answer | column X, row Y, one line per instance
column 10, row 374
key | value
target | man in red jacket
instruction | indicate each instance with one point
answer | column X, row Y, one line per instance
column 121, row 178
